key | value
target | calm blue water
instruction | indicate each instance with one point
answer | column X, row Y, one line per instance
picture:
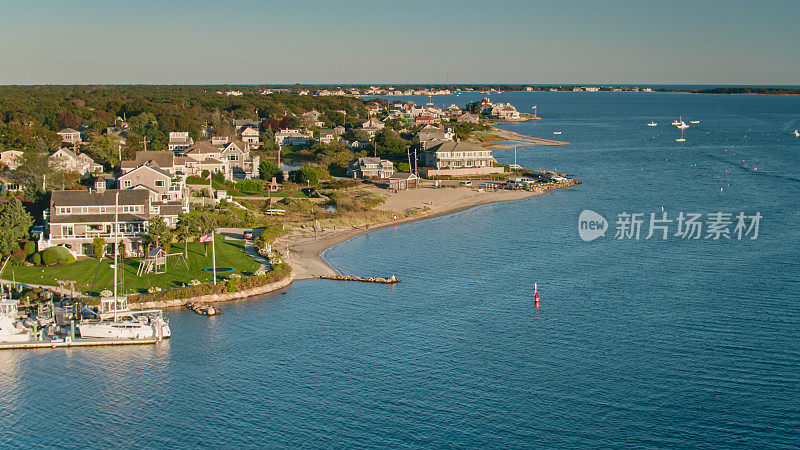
column 636, row 344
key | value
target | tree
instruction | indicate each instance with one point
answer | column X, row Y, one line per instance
column 16, row 223
column 207, row 222
column 105, row 149
column 158, row 234
column 186, row 228
column 98, row 244
column 219, row 177
column 305, row 175
column 389, row 143
column 268, row 170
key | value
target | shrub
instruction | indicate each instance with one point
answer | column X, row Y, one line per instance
column 98, row 244
column 30, row 248
column 36, row 258
column 57, row 255
column 18, row 257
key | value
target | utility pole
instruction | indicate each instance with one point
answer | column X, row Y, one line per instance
column 144, row 141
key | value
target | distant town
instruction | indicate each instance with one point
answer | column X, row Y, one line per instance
column 155, row 169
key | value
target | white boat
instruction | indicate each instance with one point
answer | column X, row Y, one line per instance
column 115, row 320
column 796, row 133
column 10, row 329
column 694, row 121
column 556, row 132
column 677, row 122
column 652, row 124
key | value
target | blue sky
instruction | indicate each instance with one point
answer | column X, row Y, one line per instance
column 347, row 41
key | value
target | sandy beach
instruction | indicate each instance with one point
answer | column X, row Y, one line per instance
column 304, row 247
column 526, row 140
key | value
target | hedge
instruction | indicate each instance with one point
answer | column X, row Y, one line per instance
column 277, row 273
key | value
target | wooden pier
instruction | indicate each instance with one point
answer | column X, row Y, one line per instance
column 77, row 342
column 382, row 280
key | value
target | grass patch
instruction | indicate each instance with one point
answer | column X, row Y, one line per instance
column 229, row 253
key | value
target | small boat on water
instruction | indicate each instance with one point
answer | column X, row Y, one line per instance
column 556, row 132
column 694, row 121
column 796, row 133
column 652, row 124
column 676, row 122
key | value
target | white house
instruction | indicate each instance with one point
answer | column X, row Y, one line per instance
column 70, row 136
column 179, row 141
column 67, row 160
column 11, row 158
column 291, row 137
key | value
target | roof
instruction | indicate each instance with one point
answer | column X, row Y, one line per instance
column 159, row 159
column 170, row 210
column 154, row 169
column 450, row 146
column 403, row 176
column 68, row 130
column 201, row 147
column 105, row 198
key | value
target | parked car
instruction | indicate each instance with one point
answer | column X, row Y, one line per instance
column 466, row 183
column 248, row 234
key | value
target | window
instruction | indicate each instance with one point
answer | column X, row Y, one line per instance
column 164, row 197
column 66, row 231
column 126, row 183
column 85, row 210
column 159, row 183
column 65, row 210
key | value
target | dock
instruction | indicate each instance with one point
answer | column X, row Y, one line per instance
column 77, row 342
column 382, row 280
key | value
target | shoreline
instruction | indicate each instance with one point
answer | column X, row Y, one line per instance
column 527, row 141
column 305, row 252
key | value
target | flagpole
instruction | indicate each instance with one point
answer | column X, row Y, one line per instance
column 213, row 257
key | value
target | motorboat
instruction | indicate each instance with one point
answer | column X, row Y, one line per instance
column 652, row 124
column 11, row 329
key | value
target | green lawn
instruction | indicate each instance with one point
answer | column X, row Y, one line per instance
column 229, row 253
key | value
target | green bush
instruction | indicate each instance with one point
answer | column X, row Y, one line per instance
column 30, row 248
column 36, row 259
column 57, row 255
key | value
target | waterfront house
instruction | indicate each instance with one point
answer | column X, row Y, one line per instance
column 69, row 161
column 179, row 141
column 70, row 136
column 401, row 181
column 77, row 217
column 505, row 111
column 12, row 158
column 370, row 168
column 338, row 130
column 465, row 157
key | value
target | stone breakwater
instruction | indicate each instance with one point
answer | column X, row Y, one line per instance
column 215, row 298
column 382, row 280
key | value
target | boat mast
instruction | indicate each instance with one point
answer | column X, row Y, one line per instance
column 116, row 250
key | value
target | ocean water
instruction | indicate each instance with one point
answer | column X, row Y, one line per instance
column 636, row 343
